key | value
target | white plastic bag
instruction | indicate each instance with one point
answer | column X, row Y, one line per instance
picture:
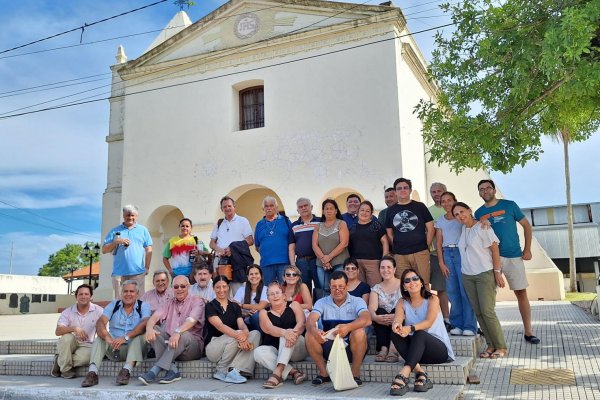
column 338, row 366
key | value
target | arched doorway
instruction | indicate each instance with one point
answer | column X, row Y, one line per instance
column 339, row 195
column 163, row 224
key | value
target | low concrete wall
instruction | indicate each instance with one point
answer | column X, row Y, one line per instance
column 47, row 303
column 544, row 284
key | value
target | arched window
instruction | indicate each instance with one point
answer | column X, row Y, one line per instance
column 252, row 108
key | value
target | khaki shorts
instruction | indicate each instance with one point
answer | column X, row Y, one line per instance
column 514, row 270
column 418, row 261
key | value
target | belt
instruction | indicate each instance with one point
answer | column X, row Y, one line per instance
column 306, row 257
column 452, row 246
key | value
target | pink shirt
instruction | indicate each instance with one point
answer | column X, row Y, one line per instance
column 173, row 314
column 70, row 317
column 155, row 300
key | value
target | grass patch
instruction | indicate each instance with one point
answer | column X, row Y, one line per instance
column 577, row 296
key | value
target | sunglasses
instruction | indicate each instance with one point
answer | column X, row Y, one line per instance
column 291, row 274
column 350, row 268
column 179, row 287
column 412, row 279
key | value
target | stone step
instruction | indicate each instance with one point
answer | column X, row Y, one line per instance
column 463, row 346
column 45, row 387
column 454, row 373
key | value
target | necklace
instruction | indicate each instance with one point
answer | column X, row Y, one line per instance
column 271, row 226
column 178, row 309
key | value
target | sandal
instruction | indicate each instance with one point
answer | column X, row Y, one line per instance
column 422, row 382
column 297, row 376
column 392, row 357
column 381, row 356
column 401, row 383
column 487, row 354
column 273, row 382
column 498, row 353
column 358, row 381
column 320, row 379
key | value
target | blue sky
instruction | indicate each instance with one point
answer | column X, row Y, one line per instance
column 53, row 164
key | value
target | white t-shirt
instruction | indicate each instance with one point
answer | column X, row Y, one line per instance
column 475, row 255
column 231, row 231
column 239, row 295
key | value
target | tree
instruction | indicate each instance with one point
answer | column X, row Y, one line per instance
column 511, row 72
column 58, row 263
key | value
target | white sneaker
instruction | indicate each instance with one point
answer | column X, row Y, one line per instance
column 234, row 377
column 456, row 331
column 467, row 332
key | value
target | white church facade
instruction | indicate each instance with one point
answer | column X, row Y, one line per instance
column 278, row 97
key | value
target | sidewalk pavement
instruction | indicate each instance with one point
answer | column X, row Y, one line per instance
column 570, row 341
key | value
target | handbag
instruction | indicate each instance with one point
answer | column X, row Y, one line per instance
column 338, row 366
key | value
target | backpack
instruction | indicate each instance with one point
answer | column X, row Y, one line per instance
column 118, row 305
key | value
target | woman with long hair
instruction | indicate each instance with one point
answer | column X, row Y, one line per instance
column 481, row 273
column 252, row 296
column 330, row 242
column 419, row 333
column 296, row 290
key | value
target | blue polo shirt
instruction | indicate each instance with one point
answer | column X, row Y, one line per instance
column 273, row 238
column 504, row 217
column 130, row 260
column 121, row 323
column 303, row 236
column 332, row 315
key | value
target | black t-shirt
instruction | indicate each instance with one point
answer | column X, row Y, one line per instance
column 228, row 317
column 360, row 290
column 408, row 224
column 287, row 320
column 365, row 240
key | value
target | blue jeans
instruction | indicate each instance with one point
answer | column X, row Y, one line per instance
column 273, row 272
column 308, row 268
column 461, row 313
column 324, row 276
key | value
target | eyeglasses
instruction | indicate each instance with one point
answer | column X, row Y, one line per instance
column 179, row 287
column 291, row 274
column 337, row 289
column 350, row 268
column 413, row 278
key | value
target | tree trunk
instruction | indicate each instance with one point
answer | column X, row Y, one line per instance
column 572, row 268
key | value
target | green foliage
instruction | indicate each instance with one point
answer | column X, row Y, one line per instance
column 510, row 73
column 72, row 254
column 183, row 3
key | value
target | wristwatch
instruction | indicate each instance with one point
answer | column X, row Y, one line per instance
column 126, row 338
column 177, row 330
column 412, row 329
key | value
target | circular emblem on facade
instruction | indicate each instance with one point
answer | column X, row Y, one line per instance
column 246, row 25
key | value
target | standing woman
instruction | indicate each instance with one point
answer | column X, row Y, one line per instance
column 230, row 344
column 481, row 273
column 355, row 287
column 252, row 296
column 368, row 243
column 448, row 231
column 296, row 290
column 330, row 242
column 382, row 306
column 419, row 333
column 176, row 256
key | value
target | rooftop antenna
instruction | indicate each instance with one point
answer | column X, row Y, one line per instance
column 183, row 3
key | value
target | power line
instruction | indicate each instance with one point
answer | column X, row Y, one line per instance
column 44, row 226
column 82, row 28
column 41, row 216
column 225, row 75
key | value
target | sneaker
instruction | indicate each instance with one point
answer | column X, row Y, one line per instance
column 55, row 368
column 234, row 377
column 91, row 379
column 171, row 377
column 220, row 376
column 456, row 331
column 467, row 332
column 147, row 378
column 123, row 377
column 69, row 374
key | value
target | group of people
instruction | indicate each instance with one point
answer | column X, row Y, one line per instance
column 318, row 277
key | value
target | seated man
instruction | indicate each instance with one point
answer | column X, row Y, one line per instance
column 344, row 315
column 203, row 287
column 124, row 339
column 77, row 329
column 161, row 293
column 179, row 335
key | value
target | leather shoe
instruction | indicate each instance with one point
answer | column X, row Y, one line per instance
column 91, row 379
column 123, row 377
column 55, row 368
column 69, row 374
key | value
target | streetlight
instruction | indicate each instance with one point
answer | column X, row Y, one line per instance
column 91, row 253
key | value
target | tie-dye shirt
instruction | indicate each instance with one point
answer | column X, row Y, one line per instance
column 178, row 253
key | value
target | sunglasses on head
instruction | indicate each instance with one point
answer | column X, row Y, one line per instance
column 413, row 278
column 291, row 274
column 179, row 287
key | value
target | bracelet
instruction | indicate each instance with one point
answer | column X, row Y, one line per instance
column 498, row 271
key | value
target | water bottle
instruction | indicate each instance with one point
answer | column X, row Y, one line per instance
column 117, row 236
column 193, row 256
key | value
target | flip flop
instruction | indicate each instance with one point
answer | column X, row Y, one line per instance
column 498, row 354
column 487, row 354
